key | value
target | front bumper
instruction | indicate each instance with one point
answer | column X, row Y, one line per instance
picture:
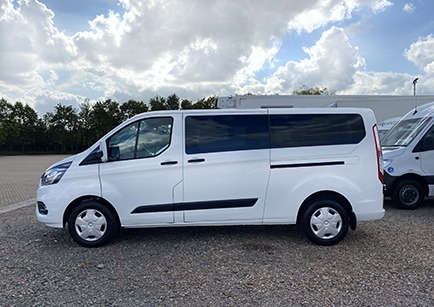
column 388, row 183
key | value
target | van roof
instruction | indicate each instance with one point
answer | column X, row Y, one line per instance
column 426, row 109
column 259, row 110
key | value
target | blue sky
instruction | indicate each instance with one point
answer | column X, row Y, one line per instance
column 68, row 52
column 73, row 16
column 390, row 33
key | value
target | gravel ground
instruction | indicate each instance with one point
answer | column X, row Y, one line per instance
column 383, row 263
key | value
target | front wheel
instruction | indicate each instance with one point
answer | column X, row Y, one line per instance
column 91, row 224
column 408, row 194
column 325, row 222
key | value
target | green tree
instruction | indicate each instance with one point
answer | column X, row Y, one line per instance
column 5, row 117
column 186, row 104
column 19, row 126
column 85, row 126
column 157, row 103
column 63, row 127
column 105, row 115
column 30, row 126
column 172, row 102
column 305, row 90
column 206, row 103
column 132, row 107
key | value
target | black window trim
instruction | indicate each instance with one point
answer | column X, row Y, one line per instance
column 360, row 137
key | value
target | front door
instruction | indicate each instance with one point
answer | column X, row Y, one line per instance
column 425, row 148
column 144, row 171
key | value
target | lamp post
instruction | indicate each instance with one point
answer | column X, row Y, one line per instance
column 414, row 94
column 414, row 86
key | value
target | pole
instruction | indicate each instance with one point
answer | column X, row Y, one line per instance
column 414, row 94
column 414, row 86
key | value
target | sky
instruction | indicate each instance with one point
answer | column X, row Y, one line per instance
column 73, row 51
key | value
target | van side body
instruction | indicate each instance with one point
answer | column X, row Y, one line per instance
column 320, row 168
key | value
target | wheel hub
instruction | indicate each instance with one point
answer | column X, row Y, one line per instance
column 326, row 223
column 409, row 195
column 90, row 225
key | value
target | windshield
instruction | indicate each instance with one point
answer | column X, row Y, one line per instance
column 404, row 132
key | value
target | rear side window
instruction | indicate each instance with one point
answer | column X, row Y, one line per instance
column 297, row 130
column 220, row 133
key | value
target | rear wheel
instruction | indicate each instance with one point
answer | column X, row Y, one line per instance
column 408, row 194
column 91, row 224
column 325, row 222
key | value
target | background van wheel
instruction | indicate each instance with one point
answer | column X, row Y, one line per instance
column 325, row 222
column 92, row 224
column 408, row 194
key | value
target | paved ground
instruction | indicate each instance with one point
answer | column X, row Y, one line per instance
column 19, row 177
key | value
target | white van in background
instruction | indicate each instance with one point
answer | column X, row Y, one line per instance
column 408, row 152
column 319, row 168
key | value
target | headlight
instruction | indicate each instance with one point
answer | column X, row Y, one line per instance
column 386, row 163
column 54, row 174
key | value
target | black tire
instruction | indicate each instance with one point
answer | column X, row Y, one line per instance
column 408, row 194
column 92, row 224
column 325, row 222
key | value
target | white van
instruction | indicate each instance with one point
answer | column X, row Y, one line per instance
column 408, row 153
column 320, row 168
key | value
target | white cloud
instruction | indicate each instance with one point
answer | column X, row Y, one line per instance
column 29, row 44
column 381, row 5
column 379, row 83
column 323, row 12
column 409, row 8
column 332, row 63
column 421, row 53
column 192, row 48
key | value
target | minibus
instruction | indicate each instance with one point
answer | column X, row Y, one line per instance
column 318, row 168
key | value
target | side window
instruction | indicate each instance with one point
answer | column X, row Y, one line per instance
column 121, row 146
column 220, row 133
column 297, row 130
column 142, row 139
column 427, row 142
column 154, row 136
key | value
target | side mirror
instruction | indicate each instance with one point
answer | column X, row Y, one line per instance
column 114, row 153
column 103, row 148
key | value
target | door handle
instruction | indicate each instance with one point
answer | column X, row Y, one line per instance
column 196, row 160
column 169, row 163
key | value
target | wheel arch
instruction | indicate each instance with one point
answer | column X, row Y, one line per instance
column 332, row 195
column 86, row 198
column 411, row 176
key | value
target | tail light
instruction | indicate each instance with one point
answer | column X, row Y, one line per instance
column 379, row 154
